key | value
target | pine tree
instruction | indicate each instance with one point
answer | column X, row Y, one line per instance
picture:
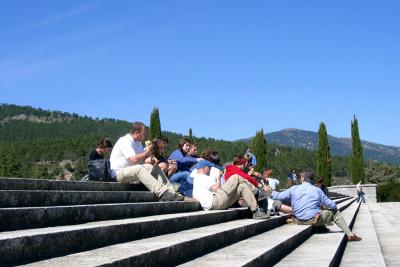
column 324, row 167
column 190, row 135
column 259, row 149
column 357, row 158
column 155, row 125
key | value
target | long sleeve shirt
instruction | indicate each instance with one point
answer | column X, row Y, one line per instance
column 305, row 199
column 184, row 162
column 232, row 169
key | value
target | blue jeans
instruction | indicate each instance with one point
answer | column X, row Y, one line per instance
column 360, row 196
column 185, row 181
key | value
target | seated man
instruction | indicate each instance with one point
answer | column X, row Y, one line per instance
column 127, row 159
column 306, row 201
column 213, row 196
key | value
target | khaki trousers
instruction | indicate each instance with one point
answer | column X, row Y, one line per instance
column 231, row 191
column 150, row 176
column 326, row 217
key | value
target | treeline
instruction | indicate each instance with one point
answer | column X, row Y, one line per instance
column 38, row 150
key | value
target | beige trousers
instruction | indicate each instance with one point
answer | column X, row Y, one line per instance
column 231, row 191
column 326, row 217
column 150, row 176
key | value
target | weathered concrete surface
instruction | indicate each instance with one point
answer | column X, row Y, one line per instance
column 350, row 190
column 168, row 249
column 27, row 198
column 41, row 243
column 258, row 250
column 31, row 217
column 367, row 252
column 388, row 234
column 321, row 249
column 44, row 184
column 263, row 249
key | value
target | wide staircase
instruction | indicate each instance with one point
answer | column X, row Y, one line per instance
column 67, row 223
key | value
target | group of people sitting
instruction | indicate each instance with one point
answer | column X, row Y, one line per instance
column 184, row 174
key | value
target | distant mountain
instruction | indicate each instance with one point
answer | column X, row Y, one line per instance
column 339, row 146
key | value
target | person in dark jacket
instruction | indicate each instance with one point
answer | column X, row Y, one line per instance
column 103, row 149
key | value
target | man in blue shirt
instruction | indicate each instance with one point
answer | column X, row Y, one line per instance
column 306, row 200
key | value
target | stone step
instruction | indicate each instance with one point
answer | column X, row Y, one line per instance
column 169, row 249
column 367, row 252
column 28, row 198
column 41, row 243
column 388, row 236
column 260, row 250
column 34, row 217
column 44, row 184
column 322, row 249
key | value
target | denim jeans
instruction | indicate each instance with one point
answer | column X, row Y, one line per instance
column 360, row 196
column 185, row 181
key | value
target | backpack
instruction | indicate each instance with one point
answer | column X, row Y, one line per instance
column 99, row 170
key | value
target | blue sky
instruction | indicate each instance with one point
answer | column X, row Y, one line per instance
column 224, row 68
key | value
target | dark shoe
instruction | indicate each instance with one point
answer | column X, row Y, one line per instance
column 353, row 238
column 259, row 214
column 167, row 196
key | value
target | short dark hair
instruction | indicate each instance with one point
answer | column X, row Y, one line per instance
column 214, row 157
column 136, row 127
column 308, row 175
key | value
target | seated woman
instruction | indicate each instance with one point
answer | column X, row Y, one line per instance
column 103, row 149
column 160, row 144
column 181, row 156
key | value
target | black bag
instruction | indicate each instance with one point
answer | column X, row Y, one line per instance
column 99, row 170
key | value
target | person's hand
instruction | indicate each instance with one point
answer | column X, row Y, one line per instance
column 171, row 161
column 149, row 149
column 267, row 188
column 154, row 160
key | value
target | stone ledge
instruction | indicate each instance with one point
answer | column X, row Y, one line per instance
column 350, row 190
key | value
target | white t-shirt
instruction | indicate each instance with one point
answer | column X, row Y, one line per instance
column 272, row 182
column 202, row 189
column 123, row 149
column 215, row 173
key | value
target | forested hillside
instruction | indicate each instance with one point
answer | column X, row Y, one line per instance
column 38, row 143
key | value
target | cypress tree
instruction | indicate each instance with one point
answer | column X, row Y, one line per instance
column 357, row 158
column 259, row 149
column 155, row 125
column 324, row 167
column 190, row 135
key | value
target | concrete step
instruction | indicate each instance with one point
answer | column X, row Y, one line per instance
column 35, row 244
column 322, row 249
column 28, row 198
column 170, row 249
column 388, row 236
column 34, row 217
column 367, row 252
column 260, row 250
column 44, row 184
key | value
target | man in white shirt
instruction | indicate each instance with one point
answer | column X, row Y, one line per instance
column 213, row 196
column 127, row 158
